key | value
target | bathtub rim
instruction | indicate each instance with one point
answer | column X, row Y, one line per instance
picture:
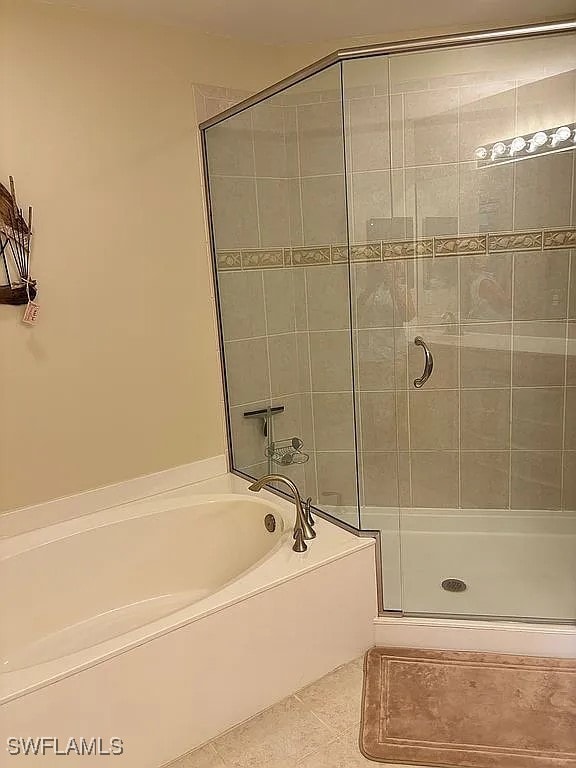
column 332, row 544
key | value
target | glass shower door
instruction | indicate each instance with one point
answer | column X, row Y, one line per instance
column 277, row 192
column 461, row 257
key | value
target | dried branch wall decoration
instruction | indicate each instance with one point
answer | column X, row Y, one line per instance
column 15, row 242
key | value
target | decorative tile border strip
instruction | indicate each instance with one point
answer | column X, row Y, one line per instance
column 456, row 246
column 263, row 259
column 366, row 252
column 229, row 260
column 311, row 256
column 407, row 249
column 429, row 247
column 515, row 241
column 560, row 238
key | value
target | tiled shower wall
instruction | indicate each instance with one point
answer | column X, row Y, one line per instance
column 495, row 427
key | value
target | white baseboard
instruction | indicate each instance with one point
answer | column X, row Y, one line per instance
column 39, row 515
column 558, row 640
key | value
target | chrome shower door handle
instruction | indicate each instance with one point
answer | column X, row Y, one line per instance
column 428, row 363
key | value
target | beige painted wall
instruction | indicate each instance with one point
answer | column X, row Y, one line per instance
column 120, row 378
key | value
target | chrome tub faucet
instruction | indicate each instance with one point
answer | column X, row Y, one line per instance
column 303, row 524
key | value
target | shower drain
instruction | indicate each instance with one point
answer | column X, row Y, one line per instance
column 454, row 585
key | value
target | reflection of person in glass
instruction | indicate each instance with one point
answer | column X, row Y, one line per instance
column 382, row 303
column 385, row 302
column 486, row 298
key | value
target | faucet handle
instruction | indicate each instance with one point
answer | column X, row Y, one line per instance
column 308, row 511
column 299, row 543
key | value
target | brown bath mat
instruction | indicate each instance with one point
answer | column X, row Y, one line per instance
column 471, row 710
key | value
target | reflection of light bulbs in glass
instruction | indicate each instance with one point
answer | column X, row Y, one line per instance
column 481, row 153
column 517, row 145
column 498, row 149
column 537, row 141
column 560, row 135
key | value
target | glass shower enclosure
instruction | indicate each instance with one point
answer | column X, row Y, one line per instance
column 394, row 239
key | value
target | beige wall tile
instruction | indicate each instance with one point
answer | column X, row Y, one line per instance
column 269, row 140
column 380, row 357
column 248, row 441
column 544, row 102
column 230, row 151
column 369, row 140
column 543, row 191
column 485, row 479
column 433, row 288
column 320, row 138
column 541, row 285
column 328, row 295
column 273, row 212
column 571, row 361
column 234, row 212
column 295, row 212
column 486, row 287
column 379, row 294
column 333, row 422
column 487, row 114
column 486, row 198
column 280, row 300
column 433, row 420
column 336, row 479
column 537, row 418
column 242, row 304
column 435, row 479
column 330, row 354
column 323, row 210
column 284, row 376
column 378, row 421
column 485, row 358
column 370, row 197
column 247, row 371
column 380, row 479
column 570, row 419
column 304, row 372
column 539, row 354
column 287, row 424
column 572, row 301
column 432, row 199
column 431, row 127
column 569, row 495
column 485, row 419
column 536, row 479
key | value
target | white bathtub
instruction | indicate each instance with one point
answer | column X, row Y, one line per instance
column 163, row 622
column 115, row 576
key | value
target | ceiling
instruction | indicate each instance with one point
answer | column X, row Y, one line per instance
column 292, row 22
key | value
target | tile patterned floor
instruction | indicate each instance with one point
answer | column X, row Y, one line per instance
column 315, row 728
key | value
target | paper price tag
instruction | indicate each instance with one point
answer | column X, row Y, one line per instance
column 30, row 316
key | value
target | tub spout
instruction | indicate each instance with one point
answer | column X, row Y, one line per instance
column 302, row 527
